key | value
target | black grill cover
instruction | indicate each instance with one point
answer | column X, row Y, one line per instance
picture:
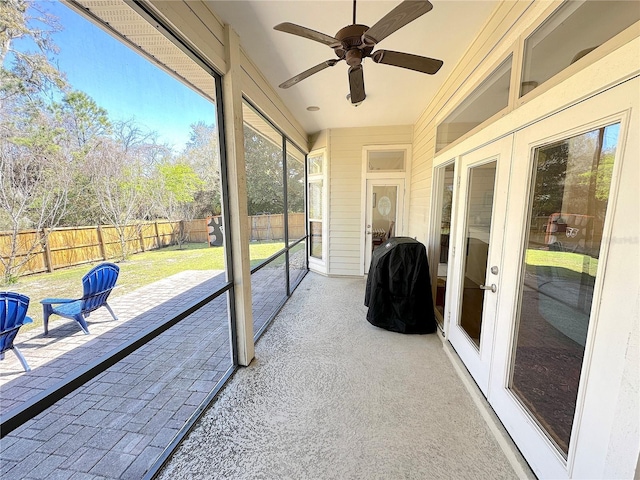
column 398, row 290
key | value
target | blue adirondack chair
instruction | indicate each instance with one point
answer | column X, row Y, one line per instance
column 13, row 314
column 97, row 285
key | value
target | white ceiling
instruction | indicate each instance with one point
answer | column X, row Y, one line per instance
column 395, row 96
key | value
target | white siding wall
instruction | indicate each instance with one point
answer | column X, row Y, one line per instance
column 345, row 158
column 495, row 39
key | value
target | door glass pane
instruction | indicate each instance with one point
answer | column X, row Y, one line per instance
column 478, row 230
column 442, row 247
column 383, row 213
column 570, row 188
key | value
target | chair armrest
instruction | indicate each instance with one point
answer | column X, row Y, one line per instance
column 17, row 327
column 48, row 301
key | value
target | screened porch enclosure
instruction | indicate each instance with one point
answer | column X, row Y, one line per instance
column 516, row 170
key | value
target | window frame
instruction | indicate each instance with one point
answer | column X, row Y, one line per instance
column 615, row 42
column 317, row 264
column 515, row 63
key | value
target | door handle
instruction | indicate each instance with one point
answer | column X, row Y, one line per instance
column 493, row 287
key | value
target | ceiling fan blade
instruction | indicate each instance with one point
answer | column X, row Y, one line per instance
column 407, row 60
column 307, row 33
column 356, row 84
column 307, row 73
column 397, row 18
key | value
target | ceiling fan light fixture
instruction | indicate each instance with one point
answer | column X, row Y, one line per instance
column 357, row 104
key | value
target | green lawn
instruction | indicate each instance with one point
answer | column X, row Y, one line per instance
column 570, row 262
column 139, row 270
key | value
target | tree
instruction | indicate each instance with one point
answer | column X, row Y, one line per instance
column 295, row 184
column 202, row 154
column 121, row 189
column 263, row 159
column 34, row 179
column 175, row 188
column 85, row 122
column 34, row 183
column 27, row 73
column 85, row 125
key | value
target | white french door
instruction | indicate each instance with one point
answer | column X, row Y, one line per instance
column 477, row 264
column 569, row 288
column 383, row 214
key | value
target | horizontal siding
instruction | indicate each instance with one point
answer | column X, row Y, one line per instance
column 345, row 157
column 495, row 39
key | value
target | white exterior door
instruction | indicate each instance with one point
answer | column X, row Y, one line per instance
column 383, row 214
column 569, row 296
column 477, row 264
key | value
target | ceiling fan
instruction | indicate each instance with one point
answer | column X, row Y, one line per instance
column 356, row 42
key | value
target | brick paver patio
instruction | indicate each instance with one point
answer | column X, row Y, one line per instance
column 117, row 425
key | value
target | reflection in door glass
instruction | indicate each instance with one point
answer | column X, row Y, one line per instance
column 478, row 230
column 570, row 188
column 442, row 247
column 383, row 213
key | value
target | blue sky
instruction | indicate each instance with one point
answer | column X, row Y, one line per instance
column 125, row 83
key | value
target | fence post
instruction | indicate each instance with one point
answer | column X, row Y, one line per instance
column 103, row 250
column 141, row 235
column 157, row 235
column 47, row 250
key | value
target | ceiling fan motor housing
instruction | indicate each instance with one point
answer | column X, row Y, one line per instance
column 351, row 44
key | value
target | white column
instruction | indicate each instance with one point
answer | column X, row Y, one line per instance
column 238, row 213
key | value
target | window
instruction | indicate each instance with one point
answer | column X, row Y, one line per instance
column 386, row 160
column 317, row 196
column 489, row 98
column 568, row 35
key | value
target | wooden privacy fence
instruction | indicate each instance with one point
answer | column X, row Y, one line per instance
column 68, row 246
column 271, row 227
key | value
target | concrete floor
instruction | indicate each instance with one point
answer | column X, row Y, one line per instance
column 330, row 396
